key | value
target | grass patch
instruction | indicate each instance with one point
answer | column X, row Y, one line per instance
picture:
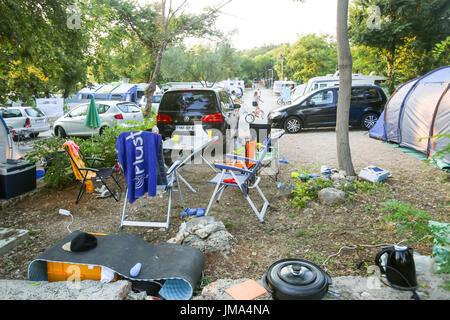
column 410, row 219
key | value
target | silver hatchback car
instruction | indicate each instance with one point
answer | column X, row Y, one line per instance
column 110, row 113
column 25, row 121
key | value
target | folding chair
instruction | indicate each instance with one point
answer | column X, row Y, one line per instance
column 164, row 181
column 87, row 175
column 250, row 154
column 242, row 178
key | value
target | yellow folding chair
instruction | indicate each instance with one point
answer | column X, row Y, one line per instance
column 87, row 175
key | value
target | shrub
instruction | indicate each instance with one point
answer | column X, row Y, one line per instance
column 411, row 219
column 49, row 154
column 56, row 162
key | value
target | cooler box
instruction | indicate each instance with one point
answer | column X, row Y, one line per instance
column 17, row 177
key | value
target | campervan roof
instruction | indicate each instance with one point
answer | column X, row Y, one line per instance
column 333, row 80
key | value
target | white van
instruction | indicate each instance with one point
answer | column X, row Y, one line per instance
column 333, row 80
column 279, row 85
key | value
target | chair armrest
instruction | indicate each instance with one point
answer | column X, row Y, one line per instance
column 233, row 156
column 89, row 169
column 174, row 166
column 225, row 167
column 95, row 159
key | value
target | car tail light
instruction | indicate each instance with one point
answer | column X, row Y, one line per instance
column 27, row 122
column 215, row 117
column 118, row 116
column 163, row 118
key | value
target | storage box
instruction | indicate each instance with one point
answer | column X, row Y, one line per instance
column 373, row 174
column 17, row 177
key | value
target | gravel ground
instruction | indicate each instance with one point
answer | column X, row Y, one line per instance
column 288, row 232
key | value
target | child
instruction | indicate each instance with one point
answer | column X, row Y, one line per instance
column 255, row 103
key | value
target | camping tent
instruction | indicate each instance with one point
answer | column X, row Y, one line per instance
column 416, row 111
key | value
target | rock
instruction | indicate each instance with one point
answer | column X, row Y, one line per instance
column 63, row 290
column 331, row 196
column 221, row 241
column 308, row 212
column 137, row 296
column 216, row 290
column 284, row 189
column 425, row 265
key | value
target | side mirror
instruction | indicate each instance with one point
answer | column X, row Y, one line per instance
column 236, row 106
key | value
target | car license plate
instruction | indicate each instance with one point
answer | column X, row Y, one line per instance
column 184, row 128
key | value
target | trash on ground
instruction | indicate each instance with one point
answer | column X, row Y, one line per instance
column 373, row 174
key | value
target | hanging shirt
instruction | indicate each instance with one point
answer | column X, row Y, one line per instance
column 138, row 153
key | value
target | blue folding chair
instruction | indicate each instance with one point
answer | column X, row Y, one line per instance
column 242, row 178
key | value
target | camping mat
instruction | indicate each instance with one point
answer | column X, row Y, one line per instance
column 440, row 164
column 179, row 265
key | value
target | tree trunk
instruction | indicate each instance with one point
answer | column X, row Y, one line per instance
column 345, row 85
column 152, row 87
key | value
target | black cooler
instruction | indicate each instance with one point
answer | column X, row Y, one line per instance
column 16, row 178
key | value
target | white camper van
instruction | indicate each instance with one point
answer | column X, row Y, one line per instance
column 333, row 80
column 279, row 85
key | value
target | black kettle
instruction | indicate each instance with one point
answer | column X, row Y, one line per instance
column 397, row 263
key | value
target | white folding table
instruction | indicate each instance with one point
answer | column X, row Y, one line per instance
column 189, row 146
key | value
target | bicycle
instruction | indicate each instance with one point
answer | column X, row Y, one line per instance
column 250, row 116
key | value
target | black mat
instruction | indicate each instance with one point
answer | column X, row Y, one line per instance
column 179, row 266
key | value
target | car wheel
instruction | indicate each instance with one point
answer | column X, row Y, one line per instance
column 34, row 135
column 101, row 131
column 60, row 132
column 293, row 125
column 369, row 120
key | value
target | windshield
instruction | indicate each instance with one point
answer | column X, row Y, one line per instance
column 189, row 100
column 34, row 112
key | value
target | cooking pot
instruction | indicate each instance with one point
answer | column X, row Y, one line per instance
column 296, row 279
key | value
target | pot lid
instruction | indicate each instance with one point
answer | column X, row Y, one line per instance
column 297, row 274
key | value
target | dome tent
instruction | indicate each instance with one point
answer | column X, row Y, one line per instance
column 416, row 111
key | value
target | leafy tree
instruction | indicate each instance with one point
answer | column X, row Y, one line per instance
column 41, row 51
column 403, row 35
column 201, row 63
column 158, row 25
column 312, row 55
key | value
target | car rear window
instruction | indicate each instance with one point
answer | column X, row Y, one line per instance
column 128, row 107
column 11, row 113
column 368, row 94
column 34, row 112
column 189, row 100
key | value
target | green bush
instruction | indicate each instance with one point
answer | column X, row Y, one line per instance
column 49, row 154
column 308, row 190
column 58, row 170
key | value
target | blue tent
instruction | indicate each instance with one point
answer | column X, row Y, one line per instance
column 416, row 111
